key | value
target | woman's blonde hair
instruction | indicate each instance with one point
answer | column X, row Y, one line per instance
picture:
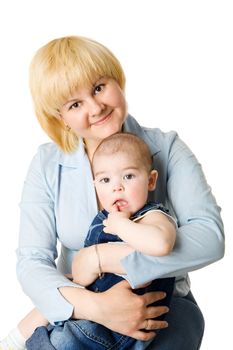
column 57, row 70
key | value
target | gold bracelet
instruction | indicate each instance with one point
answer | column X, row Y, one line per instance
column 101, row 274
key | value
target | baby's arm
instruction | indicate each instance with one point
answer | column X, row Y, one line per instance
column 154, row 234
column 30, row 322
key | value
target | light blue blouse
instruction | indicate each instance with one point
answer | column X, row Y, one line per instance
column 59, row 203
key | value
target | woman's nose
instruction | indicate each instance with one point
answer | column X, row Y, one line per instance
column 95, row 107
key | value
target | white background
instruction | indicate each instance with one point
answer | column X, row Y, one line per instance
column 177, row 56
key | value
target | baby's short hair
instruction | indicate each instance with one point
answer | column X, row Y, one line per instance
column 126, row 143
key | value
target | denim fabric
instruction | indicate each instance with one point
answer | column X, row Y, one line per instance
column 186, row 326
column 40, row 340
column 180, row 335
column 82, row 334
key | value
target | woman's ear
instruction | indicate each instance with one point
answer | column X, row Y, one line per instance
column 66, row 126
column 153, row 176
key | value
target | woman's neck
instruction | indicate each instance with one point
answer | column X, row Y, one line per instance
column 90, row 147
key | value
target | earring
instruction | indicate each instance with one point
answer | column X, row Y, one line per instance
column 68, row 128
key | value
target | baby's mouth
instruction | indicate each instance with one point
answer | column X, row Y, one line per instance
column 121, row 203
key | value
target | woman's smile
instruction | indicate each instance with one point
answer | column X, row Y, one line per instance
column 103, row 119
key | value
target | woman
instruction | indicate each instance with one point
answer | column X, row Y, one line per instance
column 77, row 87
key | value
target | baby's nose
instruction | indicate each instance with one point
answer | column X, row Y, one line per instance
column 118, row 187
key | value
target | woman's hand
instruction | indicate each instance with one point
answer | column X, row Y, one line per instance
column 118, row 309
column 85, row 266
column 125, row 312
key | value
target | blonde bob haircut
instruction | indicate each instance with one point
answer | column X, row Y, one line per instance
column 57, row 70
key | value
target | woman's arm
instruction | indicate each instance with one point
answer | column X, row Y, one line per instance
column 36, row 253
column 200, row 237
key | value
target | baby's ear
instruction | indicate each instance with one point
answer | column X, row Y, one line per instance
column 153, row 176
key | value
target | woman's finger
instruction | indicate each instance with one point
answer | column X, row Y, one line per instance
column 151, row 325
column 156, row 311
column 141, row 335
column 151, row 297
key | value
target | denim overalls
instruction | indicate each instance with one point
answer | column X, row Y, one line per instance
column 83, row 334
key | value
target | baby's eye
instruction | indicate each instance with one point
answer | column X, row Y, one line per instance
column 75, row 105
column 98, row 88
column 105, row 180
column 129, row 177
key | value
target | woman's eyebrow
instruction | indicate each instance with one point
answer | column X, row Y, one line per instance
column 70, row 101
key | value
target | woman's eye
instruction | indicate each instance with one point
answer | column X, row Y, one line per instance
column 129, row 177
column 75, row 105
column 105, row 180
column 98, row 88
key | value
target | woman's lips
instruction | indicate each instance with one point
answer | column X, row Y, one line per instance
column 103, row 120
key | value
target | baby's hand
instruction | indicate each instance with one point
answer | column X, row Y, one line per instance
column 115, row 218
column 115, row 209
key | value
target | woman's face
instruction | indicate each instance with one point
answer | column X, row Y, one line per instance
column 96, row 112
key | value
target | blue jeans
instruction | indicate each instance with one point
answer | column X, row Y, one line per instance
column 185, row 331
column 186, row 326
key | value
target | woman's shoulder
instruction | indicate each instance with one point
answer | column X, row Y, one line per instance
column 49, row 148
column 160, row 135
column 42, row 168
column 155, row 137
column 48, row 153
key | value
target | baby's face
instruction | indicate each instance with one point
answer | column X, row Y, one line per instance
column 120, row 179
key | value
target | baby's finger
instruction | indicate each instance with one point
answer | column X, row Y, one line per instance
column 114, row 208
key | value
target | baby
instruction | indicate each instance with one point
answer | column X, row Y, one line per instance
column 123, row 175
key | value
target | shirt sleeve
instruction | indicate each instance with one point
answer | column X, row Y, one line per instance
column 166, row 213
column 36, row 253
column 200, row 236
